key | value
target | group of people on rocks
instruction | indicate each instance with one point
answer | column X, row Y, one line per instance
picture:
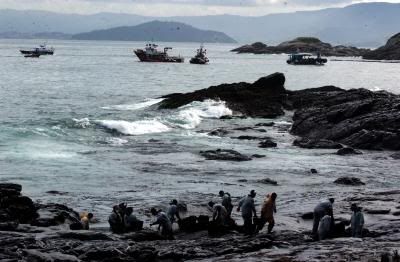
column 324, row 223
column 122, row 219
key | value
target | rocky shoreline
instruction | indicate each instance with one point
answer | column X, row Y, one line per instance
column 41, row 233
column 302, row 44
column 327, row 117
column 390, row 51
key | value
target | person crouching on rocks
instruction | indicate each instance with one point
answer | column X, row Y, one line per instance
column 116, row 220
column 322, row 209
column 220, row 214
column 173, row 212
column 163, row 222
column 246, row 204
column 83, row 222
column 131, row 222
column 267, row 212
column 226, row 201
column 357, row 221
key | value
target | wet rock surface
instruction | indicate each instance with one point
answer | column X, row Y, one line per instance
column 302, row 44
column 224, row 155
column 349, row 181
column 390, row 51
column 316, row 143
column 325, row 117
column 262, row 98
column 267, row 143
column 348, row 151
column 31, row 243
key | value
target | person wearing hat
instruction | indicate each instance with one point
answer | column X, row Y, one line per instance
column 322, row 209
column 173, row 212
column 357, row 221
column 246, row 205
column 226, row 201
column 163, row 222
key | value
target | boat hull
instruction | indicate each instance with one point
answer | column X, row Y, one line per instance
column 40, row 52
column 198, row 61
column 310, row 61
column 161, row 57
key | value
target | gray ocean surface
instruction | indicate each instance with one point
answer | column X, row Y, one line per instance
column 83, row 123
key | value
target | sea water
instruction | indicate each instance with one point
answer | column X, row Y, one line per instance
column 85, row 123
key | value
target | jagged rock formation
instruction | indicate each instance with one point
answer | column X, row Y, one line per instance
column 390, row 51
column 302, row 44
column 328, row 116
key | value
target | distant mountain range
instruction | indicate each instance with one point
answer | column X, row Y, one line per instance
column 157, row 31
column 367, row 24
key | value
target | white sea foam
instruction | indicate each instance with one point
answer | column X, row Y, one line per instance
column 191, row 115
column 132, row 107
column 116, row 141
column 82, row 123
column 134, row 128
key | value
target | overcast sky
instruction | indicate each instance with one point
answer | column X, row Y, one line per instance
column 178, row 7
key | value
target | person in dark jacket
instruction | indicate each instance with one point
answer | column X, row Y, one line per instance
column 322, row 209
column 226, row 201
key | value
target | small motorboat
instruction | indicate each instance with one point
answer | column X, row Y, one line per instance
column 306, row 59
column 41, row 50
column 151, row 54
column 200, row 57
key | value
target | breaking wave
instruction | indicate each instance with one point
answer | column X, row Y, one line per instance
column 186, row 117
column 132, row 107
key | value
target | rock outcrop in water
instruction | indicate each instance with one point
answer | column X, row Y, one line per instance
column 324, row 117
column 302, row 44
column 390, row 51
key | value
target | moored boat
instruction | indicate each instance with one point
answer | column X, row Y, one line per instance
column 200, row 57
column 41, row 50
column 306, row 59
column 151, row 54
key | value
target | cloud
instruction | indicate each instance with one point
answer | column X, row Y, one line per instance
column 177, row 7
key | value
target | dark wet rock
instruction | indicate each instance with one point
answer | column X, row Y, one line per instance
column 302, row 44
column 267, row 143
column 246, row 138
column 219, row 132
column 348, row 151
column 313, row 171
column 396, row 156
column 265, row 124
column 396, row 213
column 358, row 118
column 9, row 188
column 258, row 156
column 8, row 226
column 377, row 211
column 262, row 98
column 54, row 214
column 349, row 181
column 56, row 192
column 308, row 216
column 36, row 255
column 143, row 235
column 225, row 155
column 390, row 51
column 83, row 235
column 242, row 180
column 387, row 193
column 268, row 181
column 316, row 143
column 194, row 223
column 228, row 117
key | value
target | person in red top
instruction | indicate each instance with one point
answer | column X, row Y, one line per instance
column 267, row 212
